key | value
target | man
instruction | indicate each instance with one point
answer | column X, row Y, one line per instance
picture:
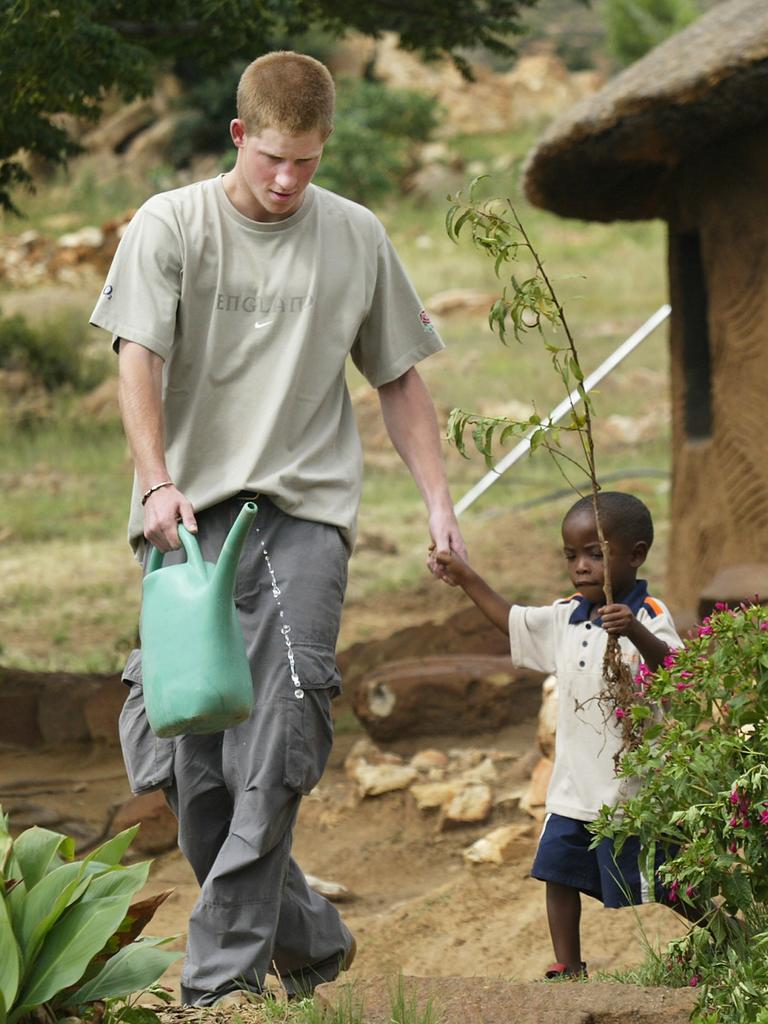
column 233, row 304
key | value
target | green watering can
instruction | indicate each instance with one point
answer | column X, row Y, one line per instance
column 194, row 665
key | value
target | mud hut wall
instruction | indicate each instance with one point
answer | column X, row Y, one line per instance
column 719, row 507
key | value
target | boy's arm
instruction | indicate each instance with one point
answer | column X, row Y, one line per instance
column 619, row 620
column 492, row 605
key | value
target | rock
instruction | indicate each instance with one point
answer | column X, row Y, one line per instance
column 471, row 804
column 734, row 584
column 498, row 1001
column 445, row 695
column 430, row 795
column 498, row 846
column 90, row 237
column 38, row 708
column 158, row 830
column 375, row 779
column 535, row 796
column 366, row 752
column 548, row 718
column 462, row 300
column 333, row 891
column 429, row 758
column 483, row 772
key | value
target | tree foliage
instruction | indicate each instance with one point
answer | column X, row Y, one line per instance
column 62, row 56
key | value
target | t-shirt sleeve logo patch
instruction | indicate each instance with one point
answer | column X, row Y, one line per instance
column 426, row 323
column 108, row 291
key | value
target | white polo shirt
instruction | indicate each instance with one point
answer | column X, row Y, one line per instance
column 560, row 639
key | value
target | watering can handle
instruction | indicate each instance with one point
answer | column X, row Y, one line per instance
column 191, row 547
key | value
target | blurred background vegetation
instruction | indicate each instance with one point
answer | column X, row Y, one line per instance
column 68, row 587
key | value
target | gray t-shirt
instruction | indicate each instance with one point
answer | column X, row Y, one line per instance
column 254, row 321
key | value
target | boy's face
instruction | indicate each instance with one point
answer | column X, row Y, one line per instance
column 581, row 548
column 273, row 170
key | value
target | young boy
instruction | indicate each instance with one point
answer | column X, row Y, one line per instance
column 568, row 639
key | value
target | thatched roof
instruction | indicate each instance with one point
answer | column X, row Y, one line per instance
column 610, row 156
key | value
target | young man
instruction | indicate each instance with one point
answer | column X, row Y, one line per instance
column 234, row 303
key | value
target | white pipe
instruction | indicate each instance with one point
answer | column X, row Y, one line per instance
column 565, row 406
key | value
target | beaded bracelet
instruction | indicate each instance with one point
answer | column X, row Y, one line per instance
column 146, row 494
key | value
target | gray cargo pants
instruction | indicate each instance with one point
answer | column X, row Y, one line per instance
column 236, row 793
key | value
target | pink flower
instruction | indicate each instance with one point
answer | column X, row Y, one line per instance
column 621, row 713
column 745, row 822
column 764, row 817
column 685, row 674
column 704, row 630
column 669, row 661
column 690, row 891
column 721, row 606
column 734, row 797
column 643, row 675
column 734, row 822
column 672, row 893
column 694, row 981
column 733, row 847
column 764, row 626
column 683, row 686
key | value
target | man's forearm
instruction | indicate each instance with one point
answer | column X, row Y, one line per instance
column 141, row 408
column 411, row 422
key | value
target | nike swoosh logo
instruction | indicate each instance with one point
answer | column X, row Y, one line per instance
column 262, row 324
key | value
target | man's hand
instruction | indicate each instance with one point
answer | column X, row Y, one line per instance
column 446, row 537
column 164, row 509
column 617, row 619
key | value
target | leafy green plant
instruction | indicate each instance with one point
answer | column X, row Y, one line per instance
column 704, row 796
column 635, row 26
column 53, row 354
column 69, row 933
column 370, row 151
column 526, row 304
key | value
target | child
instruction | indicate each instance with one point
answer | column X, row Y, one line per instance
column 568, row 639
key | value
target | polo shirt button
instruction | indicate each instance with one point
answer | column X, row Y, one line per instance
column 584, row 643
column 589, row 625
column 582, row 664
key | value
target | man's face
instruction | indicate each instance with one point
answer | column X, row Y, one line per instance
column 273, row 170
column 584, row 557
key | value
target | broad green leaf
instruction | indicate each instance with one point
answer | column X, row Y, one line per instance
column 35, row 850
column 69, row 947
column 118, row 881
column 113, row 850
column 10, row 964
column 132, row 969
column 45, row 904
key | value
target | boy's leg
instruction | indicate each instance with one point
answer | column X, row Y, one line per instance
column 564, row 919
column 565, row 862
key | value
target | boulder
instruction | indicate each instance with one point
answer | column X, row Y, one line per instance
column 158, row 830
column 452, row 694
column 548, row 718
column 333, row 891
column 52, row 708
column 430, row 795
column 429, row 759
column 498, row 846
column 375, row 779
column 473, row 803
column 535, row 797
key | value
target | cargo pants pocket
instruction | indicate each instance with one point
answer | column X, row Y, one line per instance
column 148, row 758
column 308, row 720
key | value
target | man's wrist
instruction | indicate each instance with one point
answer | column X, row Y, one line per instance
column 155, row 487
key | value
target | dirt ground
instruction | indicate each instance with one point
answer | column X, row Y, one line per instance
column 416, row 905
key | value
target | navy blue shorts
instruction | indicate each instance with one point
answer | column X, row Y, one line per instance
column 564, row 857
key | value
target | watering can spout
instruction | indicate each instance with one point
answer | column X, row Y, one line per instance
column 226, row 568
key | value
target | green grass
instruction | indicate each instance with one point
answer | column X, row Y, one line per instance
column 69, row 591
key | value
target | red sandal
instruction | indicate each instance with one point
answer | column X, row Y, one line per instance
column 564, row 971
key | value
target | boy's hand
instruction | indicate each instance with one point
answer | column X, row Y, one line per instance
column 617, row 619
column 455, row 569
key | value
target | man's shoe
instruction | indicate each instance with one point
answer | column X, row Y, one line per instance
column 238, row 997
column 350, row 956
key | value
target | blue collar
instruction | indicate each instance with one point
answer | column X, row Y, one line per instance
column 634, row 601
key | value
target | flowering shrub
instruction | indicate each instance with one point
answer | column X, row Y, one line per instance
column 703, row 767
